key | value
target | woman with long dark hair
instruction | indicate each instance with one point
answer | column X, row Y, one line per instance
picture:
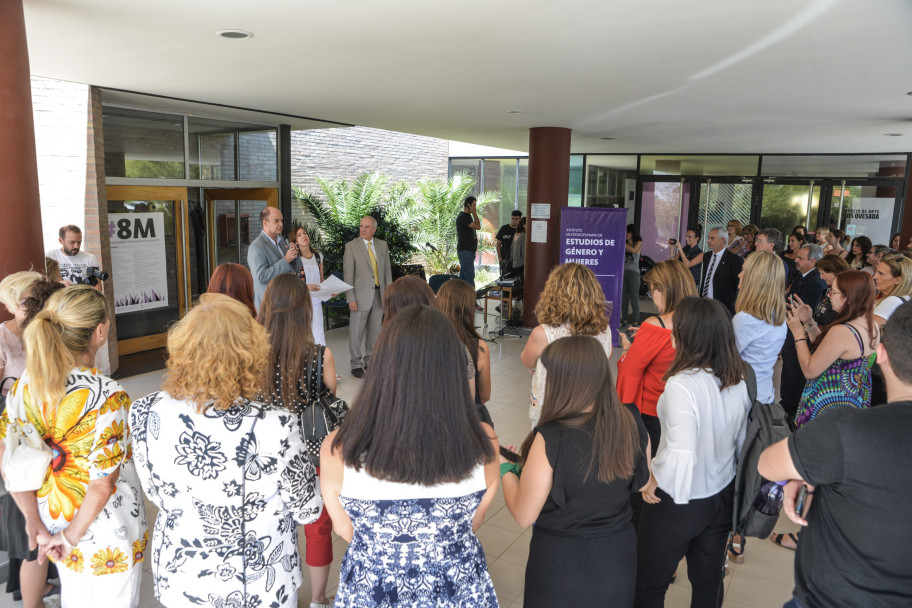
column 292, row 383
column 234, row 281
column 690, row 255
column 835, row 240
column 579, row 467
column 896, row 241
column 858, row 253
column 456, row 300
column 409, row 476
column 309, row 268
column 703, row 413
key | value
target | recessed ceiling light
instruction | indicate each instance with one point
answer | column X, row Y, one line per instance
column 909, row 93
column 608, row 138
column 516, row 111
column 893, row 134
column 235, row 34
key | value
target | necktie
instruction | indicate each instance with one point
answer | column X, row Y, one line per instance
column 370, row 254
column 709, row 273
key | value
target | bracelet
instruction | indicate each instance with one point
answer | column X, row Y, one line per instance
column 510, row 467
column 66, row 540
column 800, row 340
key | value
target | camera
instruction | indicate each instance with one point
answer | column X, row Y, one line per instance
column 94, row 275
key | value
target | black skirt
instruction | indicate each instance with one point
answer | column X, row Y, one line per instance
column 13, row 539
column 581, row 572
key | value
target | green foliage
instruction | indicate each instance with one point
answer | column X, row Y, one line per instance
column 339, row 215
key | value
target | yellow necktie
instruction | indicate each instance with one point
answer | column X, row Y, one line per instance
column 370, row 253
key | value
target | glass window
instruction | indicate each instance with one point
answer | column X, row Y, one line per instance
column 575, row 190
column 258, row 155
column 788, row 205
column 523, row 185
column 470, row 167
column 663, row 216
column 500, row 174
column 722, row 203
column 670, row 164
column 862, row 165
column 864, row 211
column 212, row 149
column 611, row 180
column 143, row 144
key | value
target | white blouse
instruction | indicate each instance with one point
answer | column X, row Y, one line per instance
column 703, row 429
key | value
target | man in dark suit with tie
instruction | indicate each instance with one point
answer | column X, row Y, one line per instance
column 809, row 287
column 721, row 268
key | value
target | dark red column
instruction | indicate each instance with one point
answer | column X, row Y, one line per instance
column 21, row 244
column 549, row 179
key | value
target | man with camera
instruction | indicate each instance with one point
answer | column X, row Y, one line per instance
column 76, row 267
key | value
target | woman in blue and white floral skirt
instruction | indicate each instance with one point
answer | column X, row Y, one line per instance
column 230, row 476
column 408, row 477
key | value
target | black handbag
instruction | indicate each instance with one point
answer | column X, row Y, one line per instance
column 323, row 412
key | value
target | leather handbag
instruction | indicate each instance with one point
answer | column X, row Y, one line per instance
column 27, row 458
column 322, row 414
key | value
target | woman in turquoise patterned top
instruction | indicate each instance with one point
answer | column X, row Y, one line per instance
column 838, row 372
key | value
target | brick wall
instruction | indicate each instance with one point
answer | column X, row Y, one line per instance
column 345, row 153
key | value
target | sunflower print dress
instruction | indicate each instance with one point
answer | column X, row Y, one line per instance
column 89, row 437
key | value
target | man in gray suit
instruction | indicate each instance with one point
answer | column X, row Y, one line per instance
column 366, row 266
column 269, row 254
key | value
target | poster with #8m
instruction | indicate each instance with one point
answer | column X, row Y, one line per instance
column 139, row 268
column 595, row 237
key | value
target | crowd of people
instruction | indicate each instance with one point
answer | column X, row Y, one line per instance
column 621, row 478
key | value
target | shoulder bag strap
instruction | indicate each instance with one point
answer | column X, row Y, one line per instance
column 321, row 350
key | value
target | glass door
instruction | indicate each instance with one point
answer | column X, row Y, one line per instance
column 864, row 210
column 234, row 221
column 790, row 204
column 147, row 227
column 722, row 202
column 663, row 215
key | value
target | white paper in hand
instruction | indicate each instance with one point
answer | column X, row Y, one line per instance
column 332, row 285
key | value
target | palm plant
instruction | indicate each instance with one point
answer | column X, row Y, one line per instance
column 439, row 204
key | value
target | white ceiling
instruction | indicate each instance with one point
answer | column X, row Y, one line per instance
column 670, row 76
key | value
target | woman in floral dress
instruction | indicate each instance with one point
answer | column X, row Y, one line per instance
column 88, row 514
column 230, row 476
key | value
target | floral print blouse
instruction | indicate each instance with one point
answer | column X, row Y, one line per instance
column 231, row 487
column 89, row 438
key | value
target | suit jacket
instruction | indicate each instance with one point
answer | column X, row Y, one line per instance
column 725, row 278
column 357, row 271
column 809, row 288
column 265, row 262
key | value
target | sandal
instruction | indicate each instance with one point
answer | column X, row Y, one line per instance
column 778, row 538
column 735, row 550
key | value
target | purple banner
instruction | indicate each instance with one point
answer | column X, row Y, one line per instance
column 595, row 237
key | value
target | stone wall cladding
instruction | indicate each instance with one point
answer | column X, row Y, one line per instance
column 346, row 153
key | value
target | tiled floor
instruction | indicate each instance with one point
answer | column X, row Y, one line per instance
column 764, row 580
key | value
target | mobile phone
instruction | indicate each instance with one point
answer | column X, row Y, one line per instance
column 509, row 455
column 674, row 241
column 801, row 501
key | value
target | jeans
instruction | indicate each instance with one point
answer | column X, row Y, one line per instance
column 467, row 266
column 631, row 293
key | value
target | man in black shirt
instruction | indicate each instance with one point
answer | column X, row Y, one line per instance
column 467, row 223
column 858, row 468
column 504, row 241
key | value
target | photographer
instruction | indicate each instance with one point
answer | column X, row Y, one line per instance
column 76, row 267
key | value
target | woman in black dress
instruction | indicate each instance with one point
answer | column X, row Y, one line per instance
column 579, row 468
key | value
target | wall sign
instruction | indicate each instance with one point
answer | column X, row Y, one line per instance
column 138, row 257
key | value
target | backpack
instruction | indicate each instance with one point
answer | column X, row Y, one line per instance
column 766, row 425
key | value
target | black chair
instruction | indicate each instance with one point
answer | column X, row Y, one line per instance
column 437, row 280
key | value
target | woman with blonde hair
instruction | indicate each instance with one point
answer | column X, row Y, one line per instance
column 641, row 369
column 82, row 417
column 893, row 279
column 571, row 304
column 820, row 236
column 230, row 476
column 759, row 320
column 13, row 290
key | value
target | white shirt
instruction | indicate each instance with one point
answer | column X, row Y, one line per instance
column 714, row 264
column 703, row 429
column 889, row 305
column 73, row 266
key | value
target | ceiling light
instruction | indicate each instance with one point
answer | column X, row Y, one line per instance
column 893, row 134
column 235, row 34
column 608, row 138
column 516, row 111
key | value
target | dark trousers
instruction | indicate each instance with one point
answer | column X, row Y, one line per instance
column 698, row 531
column 654, row 430
column 792, row 380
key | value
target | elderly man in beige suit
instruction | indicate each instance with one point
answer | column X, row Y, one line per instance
column 366, row 266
